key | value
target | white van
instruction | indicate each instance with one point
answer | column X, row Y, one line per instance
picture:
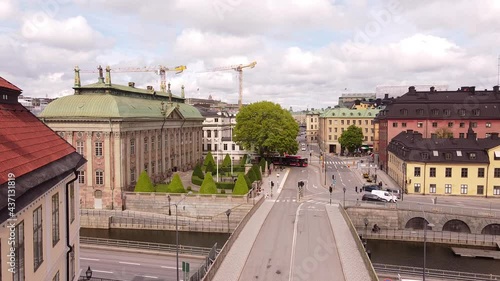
column 386, row 195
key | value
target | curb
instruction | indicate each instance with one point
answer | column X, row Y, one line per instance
column 139, row 251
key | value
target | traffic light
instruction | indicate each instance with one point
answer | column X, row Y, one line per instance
column 331, row 189
column 298, row 184
column 333, row 177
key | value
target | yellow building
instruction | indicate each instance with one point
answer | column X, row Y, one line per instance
column 464, row 167
column 312, row 124
column 333, row 122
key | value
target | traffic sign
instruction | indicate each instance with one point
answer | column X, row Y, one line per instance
column 185, row 266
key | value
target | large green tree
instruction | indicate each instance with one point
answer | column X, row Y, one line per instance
column 265, row 127
column 352, row 138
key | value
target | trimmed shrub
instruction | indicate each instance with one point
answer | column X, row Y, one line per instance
column 162, row 187
column 238, row 169
column 243, row 160
column 226, row 163
column 210, row 168
column 241, row 186
column 251, row 175
column 256, row 170
column 223, row 191
column 225, row 185
column 176, row 185
column 189, row 188
column 209, row 159
column 208, row 186
column 247, row 180
column 144, row 183
column 198, row 172
column 196, row 180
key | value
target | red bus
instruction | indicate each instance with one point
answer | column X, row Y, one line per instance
column 290, row 160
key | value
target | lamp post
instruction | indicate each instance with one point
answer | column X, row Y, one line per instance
column 366, row 226
column 88, row 273
column 344, row 196
column 177, row 237
column 169, row 210
column 228, row 213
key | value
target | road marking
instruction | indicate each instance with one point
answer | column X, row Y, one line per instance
column 147, row 276
column 102, row 271
column 89, row 259
column 294, row 241
column 132, row 263
column 315, row 186
column 277, row 200
column 293, row 200
column 169, row 267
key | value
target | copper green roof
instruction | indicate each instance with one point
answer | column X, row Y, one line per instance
column 116, row 101
column 350, row 113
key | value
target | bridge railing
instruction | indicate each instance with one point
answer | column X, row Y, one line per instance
column 447, row 237
column 186, row 250
column 435, row 273
column 428, row 208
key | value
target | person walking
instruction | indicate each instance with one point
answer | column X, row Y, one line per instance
column 356, row 189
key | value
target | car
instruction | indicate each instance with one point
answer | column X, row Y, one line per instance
column 371, row 197
column 396, row 192
column 370, row 187
column 303, row 148
column 385, row 195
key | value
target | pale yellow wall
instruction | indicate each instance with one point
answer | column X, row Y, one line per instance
column 492, row 181
column 54, row 258
column 330, row 136
column 312, row 127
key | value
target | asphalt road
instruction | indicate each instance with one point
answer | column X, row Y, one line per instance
column 127, row 266
column 295, row 233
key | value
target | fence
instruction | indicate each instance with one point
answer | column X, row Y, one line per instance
column 186, row 250
column 446, row 237
column 84, row 278
column 428, row 208
column 202, row 270
column 436, row 273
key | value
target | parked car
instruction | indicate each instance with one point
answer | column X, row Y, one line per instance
column 371, row 197
column 370, row 187
column 396, row 192
column 385, row 195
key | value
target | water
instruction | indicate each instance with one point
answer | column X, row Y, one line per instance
column 198, row 239
column 439, row 256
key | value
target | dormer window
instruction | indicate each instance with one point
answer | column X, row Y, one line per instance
column 404, row 111
column 352, row 114
column 420, row 111
column 425, row 156
column 461, row 112
column 447, row 156
column 476, row 112
column 447, row 112
column 472, row 156
column 435, row 112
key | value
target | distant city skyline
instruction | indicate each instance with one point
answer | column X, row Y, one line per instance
column 303, row 61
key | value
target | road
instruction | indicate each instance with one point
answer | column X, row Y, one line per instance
column 128, row 266
column 295, row 233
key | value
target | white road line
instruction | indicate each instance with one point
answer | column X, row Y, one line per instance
column 293, row 200
column 277, row 200
column 131, row 263
column 169, row 267
column 89, row 259
column 147, row 276
column 102, row 271
column 294, row 241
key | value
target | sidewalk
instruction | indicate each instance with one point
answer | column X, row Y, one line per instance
column 235, row 260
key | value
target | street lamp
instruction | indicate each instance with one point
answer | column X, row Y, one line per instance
column 366, row 225
column 88, row 273
column 344, row 196
column 177, row 237
column 228, row 213
column 169, row 210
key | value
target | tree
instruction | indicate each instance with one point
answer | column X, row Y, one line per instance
column 208, row 159
column 197, row 172
column 241, row 187
column 352, row 138
column 266, row 128
column 176, row 185
column 443, row 133
column 208, row 186
column 210, row 168
column 256, row 170
column 248, row 181
column 243, row 160
column 262, row 165
column 226, row 163
column 144, row 183
column 251, row 175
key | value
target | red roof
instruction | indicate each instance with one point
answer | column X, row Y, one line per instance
column 6, row 84
column 26, row 143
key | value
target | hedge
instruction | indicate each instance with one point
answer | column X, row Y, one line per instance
column 196, row 180
column 225, row 185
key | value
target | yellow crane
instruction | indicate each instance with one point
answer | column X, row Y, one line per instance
column 160, row 70
column 238, row 68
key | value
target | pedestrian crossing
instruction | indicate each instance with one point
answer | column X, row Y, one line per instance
column 294, row 200
column 342, row 163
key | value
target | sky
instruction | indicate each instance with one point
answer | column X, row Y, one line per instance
column 308, row 52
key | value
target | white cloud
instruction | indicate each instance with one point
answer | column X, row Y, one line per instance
column 7, row 10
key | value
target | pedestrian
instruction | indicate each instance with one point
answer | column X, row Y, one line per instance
column 361, row 188
column 356, row 189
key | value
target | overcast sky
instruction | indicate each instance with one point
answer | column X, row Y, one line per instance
column 308, row 52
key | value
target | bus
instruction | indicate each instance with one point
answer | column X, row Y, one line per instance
column 290, row 160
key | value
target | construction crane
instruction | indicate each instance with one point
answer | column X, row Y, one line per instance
column 160, row 70
column 239, row 69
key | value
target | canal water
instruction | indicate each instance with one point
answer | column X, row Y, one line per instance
column 439, row 256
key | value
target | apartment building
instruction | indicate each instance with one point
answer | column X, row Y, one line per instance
column 312, row 126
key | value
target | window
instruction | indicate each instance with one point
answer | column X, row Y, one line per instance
column 417, row 188
column 366, row 130
column 432, row 172
column 159, row 167
column 432, row 188
column 465, row 172
column 461, row 135
column 72, row 202
column 404, row 112
column 216, row 120
column 403, row 124
column 416, row 172
column 153, row 143
column 488, row 124
column 233, row 146
column 37, row 238
column 335, row 130
column 19, row 252
column 329, row 137
column 55, row 219
column 216, row 133
column 446, row 112
column 472, row 155
column 476, row 112
column 462, row 125
column 98, row 148
column 215, row 147
column 81, row 177
column 153, row 167
column 341, row 122
column 450, row 124
column 99, row 177
column 461, row 112
column 474, row 124
column 209, row 133
column 425, row 156
column 132, row 175
column 496, row 173
column 394, row 124
column 330, row 122
column 447, row 156
column 56, row 277
column 435, row 111
column 79, row 147
column 447, row 188
column 480, row 172
column 496, row 190
column 366, row 122
column 132, row 146
column 146, row 144
column 420, row 111
column 225, row 146
column 463, row 189
column 447, row 172
column 420, row 124
column 434, row 124
column 209, row 147
column 348, row 122
column 480, row 189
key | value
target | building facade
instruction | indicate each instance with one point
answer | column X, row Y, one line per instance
column 333, row 122
column 465, row 167
column 312, row 126
column 439, row 113
column 347, row 100
column 38, row 187
column 122, row 131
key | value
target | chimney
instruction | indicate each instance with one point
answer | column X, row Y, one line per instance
column 386, row 96
column 409, row 132
column 494, row 136
column 131, row 84
column 412, row 90
column 108, row 76
column 150, row 88
column 432, row 89
column 496, row 88
column 471, row 135
column 100, row 79
column 182, row 92
column 77, row 77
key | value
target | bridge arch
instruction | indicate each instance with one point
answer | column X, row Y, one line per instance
column 493, row 229
column 417, row 223
column 456, row 226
